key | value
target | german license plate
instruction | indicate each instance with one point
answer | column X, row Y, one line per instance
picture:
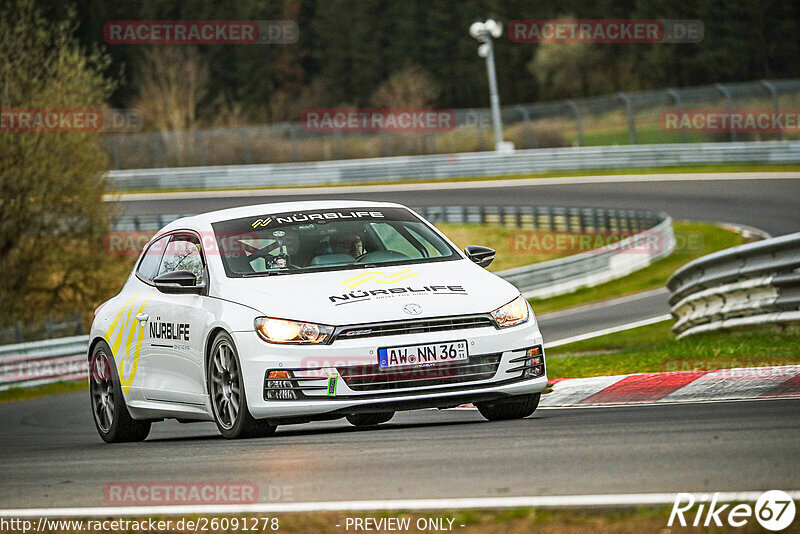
column 450, row 351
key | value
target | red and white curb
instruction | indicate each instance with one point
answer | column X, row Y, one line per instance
column 680, row 386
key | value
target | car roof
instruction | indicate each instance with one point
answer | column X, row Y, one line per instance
column 203, row 221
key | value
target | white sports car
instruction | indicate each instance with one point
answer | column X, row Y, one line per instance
column 286, row 313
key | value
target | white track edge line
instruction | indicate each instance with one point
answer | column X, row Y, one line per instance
column 604, row 303
column 626, row 499
column 610, row 330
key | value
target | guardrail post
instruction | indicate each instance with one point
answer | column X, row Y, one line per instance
column 527, row 134
column 200, row 145
column 431, row 143
column 292, row 141
column 576, row 113
column 775, row 105
column 728, row 103
column 159, row 148
column 631, row 119
column 337, row 136
column 479, row 132
column 677, row 98
column 244, row 141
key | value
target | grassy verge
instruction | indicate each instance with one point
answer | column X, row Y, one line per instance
column 654, row 348
column 674, row 169
column 692, row 241
column 18, row 394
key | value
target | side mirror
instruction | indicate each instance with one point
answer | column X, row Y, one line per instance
column 178, row 282
column 483, row 256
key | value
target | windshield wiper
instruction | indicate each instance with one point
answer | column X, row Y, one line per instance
column 265, row 273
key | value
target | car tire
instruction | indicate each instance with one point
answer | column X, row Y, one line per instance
column 227, row 394
column 515, row 408
column 369, row 419
column 109, row 411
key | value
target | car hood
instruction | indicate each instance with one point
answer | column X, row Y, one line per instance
column 376, row 294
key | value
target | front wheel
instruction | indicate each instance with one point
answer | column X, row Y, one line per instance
column 516, row 407
column 111, row 417
column 226, row 388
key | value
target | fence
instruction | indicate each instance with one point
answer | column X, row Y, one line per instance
column 47, row 328
column 619, row 119
column 757, row 283
column 444, row 167
column 30, row 364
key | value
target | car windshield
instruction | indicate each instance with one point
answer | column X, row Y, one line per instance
column 326, row 239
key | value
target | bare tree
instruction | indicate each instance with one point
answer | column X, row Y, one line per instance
column 172, row 82
column 412, row 87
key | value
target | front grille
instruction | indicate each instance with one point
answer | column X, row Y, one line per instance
column 417, row 326
column 373, row 378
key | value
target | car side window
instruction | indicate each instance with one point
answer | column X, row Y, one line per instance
column 183, row 254
column 148, row 266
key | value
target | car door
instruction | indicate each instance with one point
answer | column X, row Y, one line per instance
column 176, row 326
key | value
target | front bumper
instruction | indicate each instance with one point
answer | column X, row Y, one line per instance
column 257, row 357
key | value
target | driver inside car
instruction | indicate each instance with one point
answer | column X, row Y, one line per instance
column 351, row 245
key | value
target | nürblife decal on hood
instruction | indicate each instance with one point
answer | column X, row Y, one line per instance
column 363, row 295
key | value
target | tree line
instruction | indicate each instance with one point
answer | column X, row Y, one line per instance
column 349, row 51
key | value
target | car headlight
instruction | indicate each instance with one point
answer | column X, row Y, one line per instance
column 285, row 331
column 514, row 313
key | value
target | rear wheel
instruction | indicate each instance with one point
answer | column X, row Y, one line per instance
column 369, row 419
column 226, row 388
column 111, row 417
column 516, row 407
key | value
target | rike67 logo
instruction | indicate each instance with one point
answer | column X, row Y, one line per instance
column 774, row 510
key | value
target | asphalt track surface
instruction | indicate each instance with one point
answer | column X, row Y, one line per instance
column 768, row 204
column 51, row 455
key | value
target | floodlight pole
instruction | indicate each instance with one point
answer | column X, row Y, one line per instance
column 494, row 97
column 484, row 32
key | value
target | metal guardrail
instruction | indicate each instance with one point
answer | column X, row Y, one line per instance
column 756, row 283
column 649, row 234
column 448, row 166
column 41, row 362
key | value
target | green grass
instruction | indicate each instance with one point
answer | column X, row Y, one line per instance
column 692, row 241
column 497, row 237
column 654, row 348
column 674, row 169
column 18, row 394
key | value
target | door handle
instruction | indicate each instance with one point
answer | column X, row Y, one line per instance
column 142, row 317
